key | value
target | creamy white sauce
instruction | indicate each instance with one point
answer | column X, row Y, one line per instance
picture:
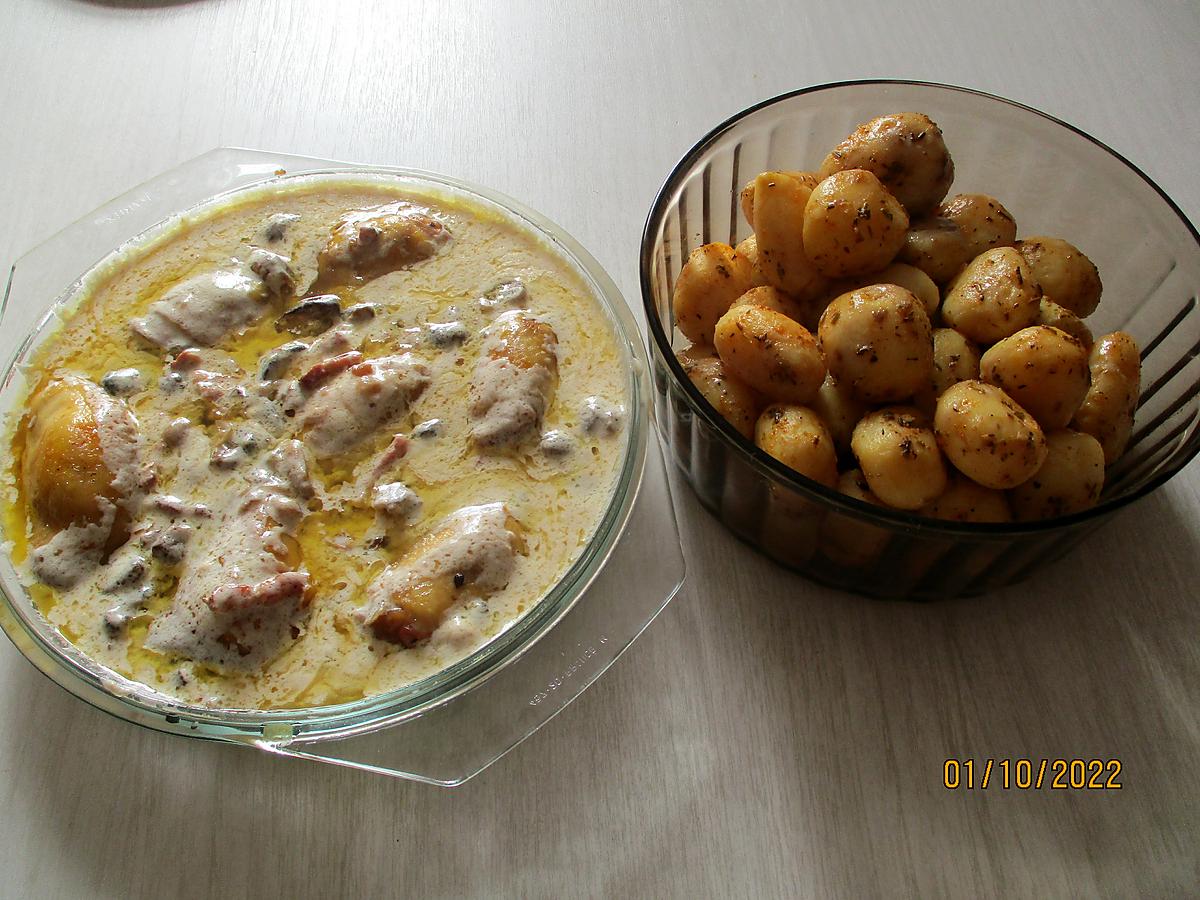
column 74, row 552
column 397, row 500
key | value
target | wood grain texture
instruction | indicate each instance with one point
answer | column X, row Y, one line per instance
column 765, row 737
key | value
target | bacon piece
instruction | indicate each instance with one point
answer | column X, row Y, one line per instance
column 238, row 598
column 175, row 506
column 395, row 452
column 324, row 370
column 186, row 360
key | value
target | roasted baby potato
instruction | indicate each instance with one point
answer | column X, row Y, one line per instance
column 905, row 151
column 1066, row 275
column 898, row 454
column 937, row 247
column 987, row 436
column 779, row 203
column 1050, row 313
column 955, row 359
column 1108, row 409
column 983, row 220
column 993, row 297
column 738, row 403
column 1069, row 481
column 839, row 409
column 876, row 340
column 953, row 421
column 1045, row 370
column 769, row 297
column 713, row 277
column 796, row 436
column 852, row 225
column 966, row 501
column 747, row 195
column 908, row 277
column 749, row 249
column 775, row 355
column 806, row 312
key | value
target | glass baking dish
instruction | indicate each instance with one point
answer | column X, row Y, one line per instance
column 447, row 727
column 1055, row 180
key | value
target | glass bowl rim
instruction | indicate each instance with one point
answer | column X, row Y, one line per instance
column 334, row 721
column 776, row 471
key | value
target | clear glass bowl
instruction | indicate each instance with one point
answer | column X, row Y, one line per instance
column 451, row 725
column 1055, row 180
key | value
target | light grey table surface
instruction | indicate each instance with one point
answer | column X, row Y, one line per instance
column 766, row 736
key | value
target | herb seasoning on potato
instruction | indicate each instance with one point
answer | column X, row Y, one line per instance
column 1009, row 408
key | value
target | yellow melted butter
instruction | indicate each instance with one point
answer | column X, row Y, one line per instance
column 558, row 504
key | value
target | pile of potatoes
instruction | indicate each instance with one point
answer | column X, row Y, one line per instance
column 904, row 347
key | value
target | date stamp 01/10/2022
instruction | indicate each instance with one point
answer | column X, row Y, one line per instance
column 1032, row 774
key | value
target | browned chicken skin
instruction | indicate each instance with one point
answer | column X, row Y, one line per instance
column 373, row 242
column 514, row 381
column 470, row 554
column 65, row 472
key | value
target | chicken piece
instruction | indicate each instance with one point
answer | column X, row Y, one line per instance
column 372, row 242
column 358, row 400
column 471, row 554
column 80, row 462
column 243, row 592
column 200, row 311
column 514, row 381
